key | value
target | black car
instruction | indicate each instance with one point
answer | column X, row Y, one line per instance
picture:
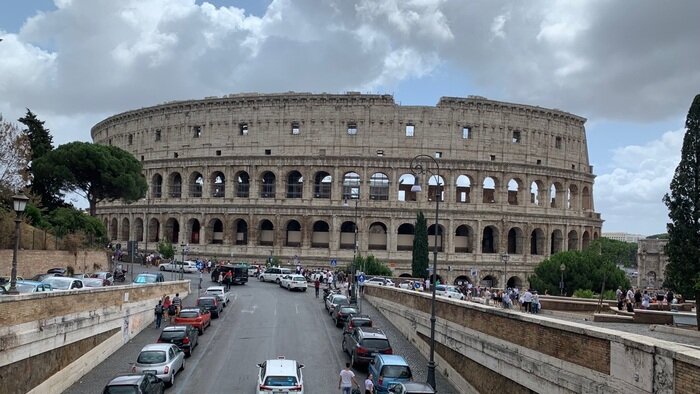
column 135, row 384
column 341, row 314
column 356, row 321
column 363, row 343
column 184, row 336
column 60, row 271
column 239, row 273
column 212, row 304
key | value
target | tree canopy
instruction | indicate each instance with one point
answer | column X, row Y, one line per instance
column 419, row 262
column 619, row 252
column 371, row 266
column 14, row 159
column 40, row 143
column 99, row 172
column 683, row 247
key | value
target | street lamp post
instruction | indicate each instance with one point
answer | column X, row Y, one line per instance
column 562, row 268
column 504, row 258
column 351, row 280
column 185, row 250
column 421, row 165
column 19, row 202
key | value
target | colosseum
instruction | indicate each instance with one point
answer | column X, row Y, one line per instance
column 318, row 177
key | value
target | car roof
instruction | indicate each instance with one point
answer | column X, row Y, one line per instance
column 215, row 288
column 30, row 282
column 207, row 298
column 190, row 309
column 392, row 359
column 357, row 317
column 417, row 387
column 371, row 332
column 157, row 346
column 132, row 378
column 281, row 367
column 175, row 328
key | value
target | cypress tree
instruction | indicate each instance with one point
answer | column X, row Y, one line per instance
column 40, row 143
column 683, row 248
column 419, row 264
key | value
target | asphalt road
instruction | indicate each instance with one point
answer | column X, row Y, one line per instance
column 263, row 321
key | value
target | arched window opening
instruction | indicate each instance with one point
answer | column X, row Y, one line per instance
column 196, row 184
column 379, row 187
column 322, row 185
column 267, row 189
column 153, row 230
column 195, row 229
column 406, row 182
column 172, row 230
column 489, row 191
column 218, row 185
column 157, row 186
column 572, row 197
column 320, row 238
column 436, row 187
column 556, row 242
column 587, row 202
column 464, row 185
column 489, row 241
column 489, row 281
column 464, row 242
column 537, row 242
column 348, row 235
column 536, row 191
column 175, row 182
column 267, row 233
column 515, row 282
column 114, row 227
column 293, row 234
column 242, row 185
column 138, row 230
column 513, row 189
column 377, row 236
column 216, row 232
column 405, row 235
column 515, row 241
column 125, row 230
column 351, row 186
column 431, row 237
column 241, row 231
column 295, row 185
column 585, row 240
column 572, row 240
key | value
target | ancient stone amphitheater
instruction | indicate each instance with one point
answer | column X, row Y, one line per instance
column 305, row 177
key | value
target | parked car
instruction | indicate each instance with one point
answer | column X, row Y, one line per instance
column 449, row 292
column 220, row 293
column 411, row 285
column 388, row 370
column 63, row 283
column 135, row 383
column 41, row 277
column 164, row 360
column 378, row 280
column 212, row 304
column 356, row 321
column 273, row 274
column 364, row 343
column 26, row 286
column 411, row 388
column 106, row 276
column 335, row 300
column 293, row 282
column 88, row 281
column 177, row 266
column 200, row 319
column 7, row 279
column 280, row 376
column 239, row 273
column 60, row 271
column 342, row 313
column 146, row 277
column 184, row 336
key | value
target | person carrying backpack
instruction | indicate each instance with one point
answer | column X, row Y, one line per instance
column 159, row 313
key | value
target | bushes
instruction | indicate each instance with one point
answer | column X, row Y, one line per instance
column 584, row 293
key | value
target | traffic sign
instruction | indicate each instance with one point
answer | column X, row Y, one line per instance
column 361, row 278
column 416, row 284
column 334, row 262
column 200, row 265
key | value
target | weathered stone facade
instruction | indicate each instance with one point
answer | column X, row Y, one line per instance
column 652, row 263
column 254, row 175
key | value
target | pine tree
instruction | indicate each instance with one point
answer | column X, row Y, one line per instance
column 683, row 248
column 40, row 143
column 419, row 264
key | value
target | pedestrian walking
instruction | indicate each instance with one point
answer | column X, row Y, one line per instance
column 159, row 313
column 369, row 385
column 347, row 380
column 228, row 279
column 317, row 286
column 177, row 302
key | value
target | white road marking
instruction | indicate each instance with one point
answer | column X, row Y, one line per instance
column 251, row 311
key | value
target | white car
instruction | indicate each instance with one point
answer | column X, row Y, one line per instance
column 411, row 285
column 220, row 293
column 293, row 282
column 274, row 274
column 176, row 266
column 377, row 280
column 63, row 283
column 280, row 376
column 449, row 292
column 164, row 360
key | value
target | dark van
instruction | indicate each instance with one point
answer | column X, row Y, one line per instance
column 240, row 273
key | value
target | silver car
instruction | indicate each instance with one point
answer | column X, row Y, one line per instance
column 161, row 359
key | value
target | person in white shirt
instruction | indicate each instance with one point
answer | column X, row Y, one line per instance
column 347, row 380
column 427, row 284
column 369, row 385
column 527, row 301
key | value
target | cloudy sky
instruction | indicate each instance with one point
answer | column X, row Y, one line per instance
column 630, row 68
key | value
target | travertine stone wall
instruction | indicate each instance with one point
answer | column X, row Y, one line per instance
column 254, row 175
column 32, row 262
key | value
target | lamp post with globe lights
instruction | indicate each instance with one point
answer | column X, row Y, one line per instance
column 19, row 202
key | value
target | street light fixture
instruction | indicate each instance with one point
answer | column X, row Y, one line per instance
column 504, row 258
column 19, row 202
column 356, row 197
column 562, row 268
column 421, row 165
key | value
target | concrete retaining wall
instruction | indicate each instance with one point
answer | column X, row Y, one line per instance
column 48, row 341
column 482, row 347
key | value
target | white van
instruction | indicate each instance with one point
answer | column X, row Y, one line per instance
column 273, row 274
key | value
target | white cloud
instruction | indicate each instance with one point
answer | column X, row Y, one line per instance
column 634, row 188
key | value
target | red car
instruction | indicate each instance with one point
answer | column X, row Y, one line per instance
column 197, row 318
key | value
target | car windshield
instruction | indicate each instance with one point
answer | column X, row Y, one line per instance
column 341, row 300
column 145, row 279
column 362, row 323
column 205, row 301
column 281, row 381
column 25, row 288
column 121, row 390
column 151, row 357
column 189, row 314
column 396, row 371
column 168, row 335
column 348, row 311
column 375, row 343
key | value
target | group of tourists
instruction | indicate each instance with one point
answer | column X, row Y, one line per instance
column 167, row 308
column 634, row 298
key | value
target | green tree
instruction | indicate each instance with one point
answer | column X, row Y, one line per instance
column 584, row 271
column 99, row 172
column 683, row 247
column 40, row 143
column 371, row 266
column 66, row 221
column 166, row 249
column 618, row 252
column 419, row 263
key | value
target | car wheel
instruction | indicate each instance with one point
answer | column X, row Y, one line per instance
column 304, row 289
column 161, row 268
column 277, row 280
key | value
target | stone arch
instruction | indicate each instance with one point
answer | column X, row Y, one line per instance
column 377, row 236
column 514, row 188
column 157, row 186
column 218, row 184
column 323, row 182
column 464, row 239
column 406, row 182
column 572, row 240
column 195, row 184
column 175, row 184
column 489, row 240
column 125, row 236
column 440, row 237
column 651, row 279
column 572, row 197
column 138, row 230
column 556, row 195
column 406, row 275
column 172, row 230
column 153, row 230
column 242, row 184
column 113, row 229
column 537, row 193
column 194, row 228
column 348, row 236
column 240, row 231
column 489, row 281
column 268, row 183
column 557, row 242
column 295, row 184
column 585, row 240
column 537, row 242
column 293, row 234
column 489, row 187
column 320, row 235
column 379, row 187
column 404, row 238
column 436, row 188
column 215, row 232
column 515, row 281
column 515, row 240
column 351, row 185
column 267, row 233
column 463, row 186
column 595, row 235
column 461, row 280
column 586, row 200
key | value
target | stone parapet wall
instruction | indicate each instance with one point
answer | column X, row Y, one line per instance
column 32, row 262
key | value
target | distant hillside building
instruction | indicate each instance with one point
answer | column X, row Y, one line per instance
column 652, row 260
column 624, row 237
